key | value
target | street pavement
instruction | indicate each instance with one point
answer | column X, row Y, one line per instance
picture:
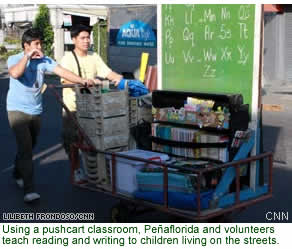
column 277, row 131
column 52, row 174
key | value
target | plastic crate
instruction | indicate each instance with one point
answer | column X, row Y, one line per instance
column 92, row 103
column 96, row 167
column 104, row 118
column 107, row 133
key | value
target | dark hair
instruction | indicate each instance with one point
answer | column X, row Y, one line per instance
column 31, row 35
column 75, row 30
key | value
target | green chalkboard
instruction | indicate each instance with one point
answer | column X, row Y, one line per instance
column 208, row 48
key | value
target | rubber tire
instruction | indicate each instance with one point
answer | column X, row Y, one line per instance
column 223, row 218
column 120, row 213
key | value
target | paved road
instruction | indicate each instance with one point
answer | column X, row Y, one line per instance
column 277, row 132
column 52, row 168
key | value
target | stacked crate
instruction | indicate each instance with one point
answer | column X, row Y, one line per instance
column 105, row 119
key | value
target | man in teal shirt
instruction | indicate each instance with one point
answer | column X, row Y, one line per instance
column 24, row 103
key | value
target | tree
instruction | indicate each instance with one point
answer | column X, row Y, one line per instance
column 42, row 23
column 100, row 39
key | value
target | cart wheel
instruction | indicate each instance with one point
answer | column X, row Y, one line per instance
column 223, row 218
column 120, row 213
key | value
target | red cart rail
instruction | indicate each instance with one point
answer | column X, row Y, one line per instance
column 198, row 214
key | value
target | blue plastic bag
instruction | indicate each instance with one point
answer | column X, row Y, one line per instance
column 136, row 87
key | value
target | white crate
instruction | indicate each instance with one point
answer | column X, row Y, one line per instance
column 126, row 169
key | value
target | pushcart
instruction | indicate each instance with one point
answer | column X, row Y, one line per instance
column 229, row 195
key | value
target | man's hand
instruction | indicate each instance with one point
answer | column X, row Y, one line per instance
column 18, row 69
column 97, row 81
column 114, row 77
column 88, row 82
column 117, row 81
column 35, row 54
column 91, row 82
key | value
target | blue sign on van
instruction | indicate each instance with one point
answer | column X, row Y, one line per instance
column 136, row 34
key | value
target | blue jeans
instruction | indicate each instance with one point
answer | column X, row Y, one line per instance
column 26, row 129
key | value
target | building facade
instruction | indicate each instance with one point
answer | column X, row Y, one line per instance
column 18, row 18
column 278, row 45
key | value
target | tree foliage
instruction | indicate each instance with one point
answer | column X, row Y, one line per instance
column 100, row 34
column 42, row 22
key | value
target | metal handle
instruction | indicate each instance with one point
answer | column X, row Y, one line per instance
column 111, row 85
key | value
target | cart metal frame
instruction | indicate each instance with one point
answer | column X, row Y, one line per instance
column 237, row 202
